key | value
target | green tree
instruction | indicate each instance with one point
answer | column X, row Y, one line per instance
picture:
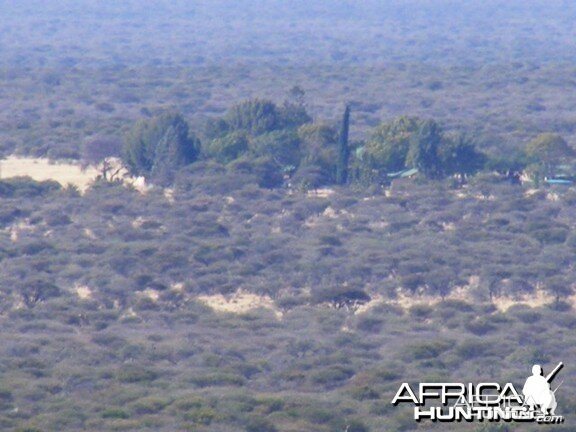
column 424, row 148
column 282, row 146
column 156, row 147
column 259, row 116
column 548, row 150
column 264, row 170
column 38, row 290
column 388, row 147
column 318, row 144
column 216, row 128
column 458, row 155
column 255, row 116
column 292, row 115
column 309, row 177
column 297, row 95
column 227, row 148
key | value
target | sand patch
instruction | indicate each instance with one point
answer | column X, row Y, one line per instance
column 65, row 173
column 43, row 169
column 169, row 195
column 239, row 303
column 177, row 287
column 330, row 213
column 152, row 294
column 139, row 183
column 18, row 228
column 375, row 301
column 138, row 222
column 83, row 292
column 379, row 225
column 90, row 234
column 448, row 226
column 502, row 303
column 129, row 314
column 537, row 299
column 320, row 193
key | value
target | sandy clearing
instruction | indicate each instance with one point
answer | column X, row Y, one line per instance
column 43, row 169
column 320, row 193
column 502, row 303
column 19, row 227
column 65, row 173
column 152, row 294
column 83, row 292
column 239, row 303
column 242, row 302
column 538, row 299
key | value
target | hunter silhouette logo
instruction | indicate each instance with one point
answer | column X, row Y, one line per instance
column 485, row 401
column 537, row 392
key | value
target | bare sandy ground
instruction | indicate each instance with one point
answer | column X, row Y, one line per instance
column 240, row 302
column 502, row 303
column 64, row 173
column 43, row 169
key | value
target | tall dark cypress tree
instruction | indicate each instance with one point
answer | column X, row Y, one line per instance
column 343, row 149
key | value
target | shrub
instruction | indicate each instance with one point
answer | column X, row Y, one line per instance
column 218, row 379
column 480, row 326
column 332, row 375
column 201, row 416
column 8, row 214
column 136, row 374
column 364, row 393
column 426, row 350
column 150, row 405
column 356, row 426
column 258, row 424
column 421, row 311
column 36, row 291
column 312, row 413
column 472, row 348
column 115, row 413
column 370, row 324
column 25, row 187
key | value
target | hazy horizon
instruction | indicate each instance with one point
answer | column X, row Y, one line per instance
column 90, row 33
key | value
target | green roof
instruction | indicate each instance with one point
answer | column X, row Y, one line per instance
column 403, row 173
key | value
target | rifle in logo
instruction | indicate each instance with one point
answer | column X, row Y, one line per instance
column 537, row 391
column 485, row 400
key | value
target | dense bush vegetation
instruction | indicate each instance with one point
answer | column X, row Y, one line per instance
column 101, row 308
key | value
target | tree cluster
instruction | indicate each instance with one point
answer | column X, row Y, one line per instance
column 410, row 142
column 283, row 145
